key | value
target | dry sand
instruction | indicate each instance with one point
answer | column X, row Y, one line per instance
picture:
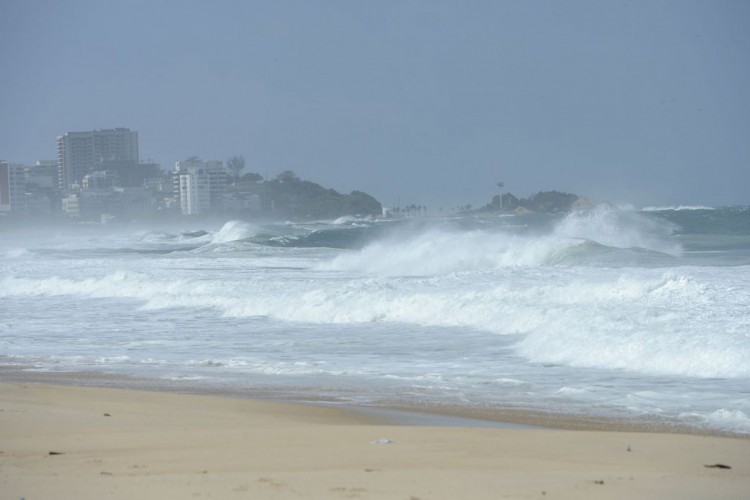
column 91, row 443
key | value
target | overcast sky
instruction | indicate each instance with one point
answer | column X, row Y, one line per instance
column 428, row 102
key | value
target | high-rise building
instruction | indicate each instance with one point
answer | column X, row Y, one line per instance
column 4, row 186
column 200, row 185
column 81, row 153
column 12, row 186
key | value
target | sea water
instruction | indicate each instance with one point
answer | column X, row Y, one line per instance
column 607, row 313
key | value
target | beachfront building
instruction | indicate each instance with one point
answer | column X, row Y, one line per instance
column 71, row 205
column 195, row 197
column 80, row 153
column 26, row 190
column 12, row 186
column 42, row 176
column 200, row 185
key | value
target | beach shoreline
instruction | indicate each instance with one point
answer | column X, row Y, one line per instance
column 94, row 442
column 396, row 412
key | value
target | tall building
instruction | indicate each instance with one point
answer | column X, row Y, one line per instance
column 4, row 186
column 200, row 185
column 12, row 186
column 43, row 175
column 81, row 153
column 195, row 196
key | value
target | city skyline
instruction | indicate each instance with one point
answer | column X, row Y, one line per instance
column 435, row 102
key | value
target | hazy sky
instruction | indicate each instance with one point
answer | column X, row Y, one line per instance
column 429, row 102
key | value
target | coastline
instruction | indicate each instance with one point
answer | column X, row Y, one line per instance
column 93, row 442
column 384, row 412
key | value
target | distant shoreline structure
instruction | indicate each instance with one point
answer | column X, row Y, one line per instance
column 541, row 202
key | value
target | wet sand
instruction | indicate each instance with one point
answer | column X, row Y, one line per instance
column 92, row 443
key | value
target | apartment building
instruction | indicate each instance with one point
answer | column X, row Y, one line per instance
column 200, row 185
column 81, row 153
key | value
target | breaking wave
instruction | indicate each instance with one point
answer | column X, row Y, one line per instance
column 233, row 231
column 601, row 237
column 677, row 208
column 644, row 323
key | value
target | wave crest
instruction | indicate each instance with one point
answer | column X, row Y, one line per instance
column 582, row 238
column 615, row 228
column 234, row 230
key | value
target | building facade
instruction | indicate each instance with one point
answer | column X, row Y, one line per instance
column 81, row 153
column 200, row 186
column 12, row 187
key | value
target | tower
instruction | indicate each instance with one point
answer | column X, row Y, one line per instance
column 80, row 153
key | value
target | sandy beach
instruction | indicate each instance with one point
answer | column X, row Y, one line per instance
column 93, row 443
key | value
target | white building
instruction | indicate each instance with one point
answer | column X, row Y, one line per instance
column 200, row 185
column 195, row 195
column 71, row 205
column 100, row 179
column 80, row 153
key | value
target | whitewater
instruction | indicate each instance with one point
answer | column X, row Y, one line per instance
column 608, row 313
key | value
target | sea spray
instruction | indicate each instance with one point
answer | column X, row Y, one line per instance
column 611, row 227
column 592, row 312
column 233, row 231
column 443, row 252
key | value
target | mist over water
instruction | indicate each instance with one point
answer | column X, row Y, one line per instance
column 606, row 312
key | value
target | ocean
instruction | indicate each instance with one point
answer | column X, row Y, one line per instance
column 623, row 314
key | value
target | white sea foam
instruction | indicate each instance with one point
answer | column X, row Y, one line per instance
column 668, row 323
column 441, row 252
column 733, row 419
column 620, row 229
column 672, row 325
column 496, row 315
column 15, row 253
column 347, row 219
column 233, row 231
column 676, row 208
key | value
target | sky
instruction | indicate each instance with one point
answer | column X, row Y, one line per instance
column 427, row 102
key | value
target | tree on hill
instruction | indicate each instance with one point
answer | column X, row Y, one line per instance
column 542, row 202
column 287, row 176
column 235, row 165
column 251, row 177
column 293, row 197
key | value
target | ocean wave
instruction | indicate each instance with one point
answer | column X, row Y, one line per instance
column 580, row 238
column 233, row 230
column 439, row 252
column 620, row 229
column 16, row 253
column 687, row 322
column 676, row 208
column 675, row 325
column 352, row 220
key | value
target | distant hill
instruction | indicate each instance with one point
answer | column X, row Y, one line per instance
column 289, row 196
column 542, row 202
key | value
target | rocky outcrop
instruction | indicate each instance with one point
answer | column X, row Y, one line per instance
column 289, row 196
column 542, row 202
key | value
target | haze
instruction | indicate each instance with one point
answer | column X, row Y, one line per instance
column 420, row 102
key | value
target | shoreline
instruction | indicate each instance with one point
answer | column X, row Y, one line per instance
column 116, row 443
column 384, row 412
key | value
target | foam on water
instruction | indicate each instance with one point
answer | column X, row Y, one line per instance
column 568, row 312
column 441, row 252
column 233, row 231
column 658, row 323
column 620, row 229
column 575, row 240
column 351, row 220
column 676, row 208
column 15, row 253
